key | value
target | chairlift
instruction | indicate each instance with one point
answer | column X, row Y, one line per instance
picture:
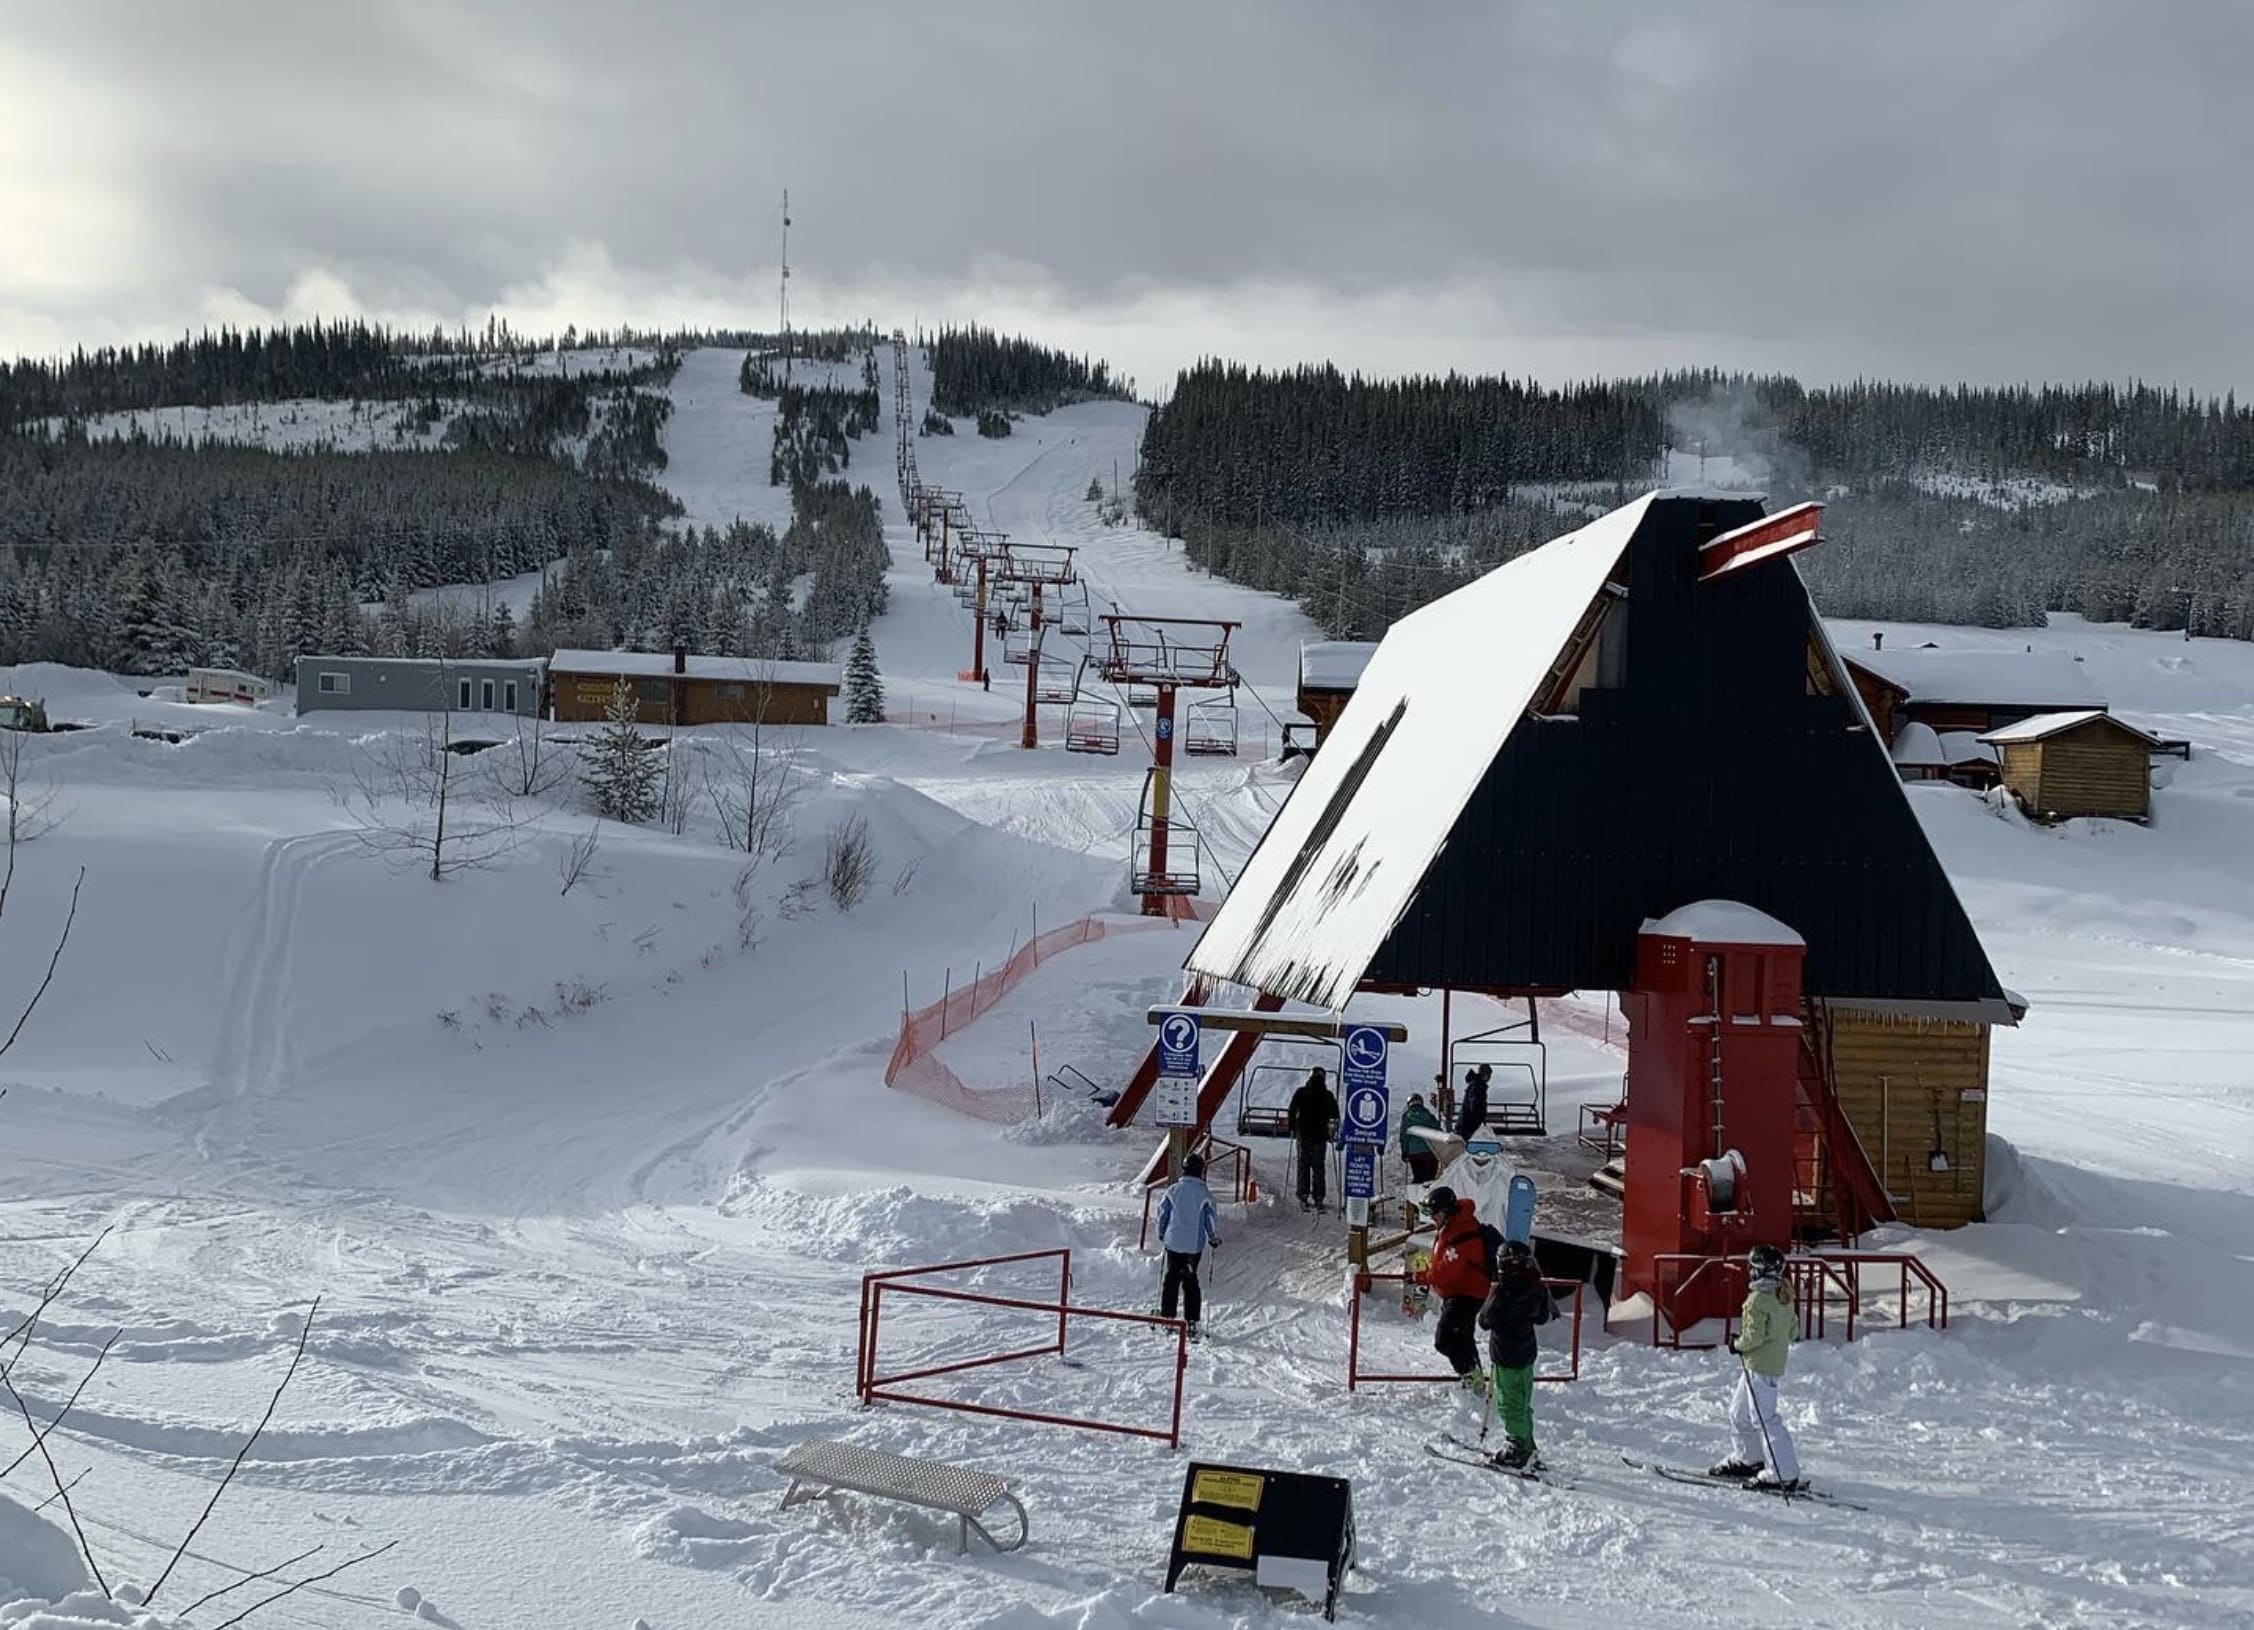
column 1211, row 729
column 1179, row 874
column 1518, row 1086
column 1056, row 682
column 1017, row 645
column 1072, row 613
column 1264, row 1100
column 1092, row 726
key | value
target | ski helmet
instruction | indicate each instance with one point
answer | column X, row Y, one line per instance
column 1440, row 1201
column 1193, row 1165
column 1518, row 1253
column 1764, row 1262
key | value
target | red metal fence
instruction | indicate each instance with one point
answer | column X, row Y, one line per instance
column 1819, row 1282
column 1356, row 1376
column 872, row 1385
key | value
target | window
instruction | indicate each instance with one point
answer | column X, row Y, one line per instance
column 485, row 695
column 731, row 693
column 509, row 696
column 336, row 685
column 462, row 692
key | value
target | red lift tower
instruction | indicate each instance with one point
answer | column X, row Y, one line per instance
column 1165, row 655
column 1030, row 568
column 976, row 554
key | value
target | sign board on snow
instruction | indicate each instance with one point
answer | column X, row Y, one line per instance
column 1174, row 1100
column 1361, row 1171
column 1177, row 1044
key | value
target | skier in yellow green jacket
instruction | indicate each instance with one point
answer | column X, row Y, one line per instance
column 1765, row 1453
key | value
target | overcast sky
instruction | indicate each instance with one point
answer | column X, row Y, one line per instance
column 1984, row 189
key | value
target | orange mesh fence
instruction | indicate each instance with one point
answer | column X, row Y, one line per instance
column 914, row 1066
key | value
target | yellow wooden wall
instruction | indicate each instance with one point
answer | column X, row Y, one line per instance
column 2094, row 769
column 1899, row 1077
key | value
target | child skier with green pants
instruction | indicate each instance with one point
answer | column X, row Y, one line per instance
column 1518, row 1302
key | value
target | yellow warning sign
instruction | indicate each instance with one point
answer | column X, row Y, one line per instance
column 1240, row 1489
column 1209, row 1536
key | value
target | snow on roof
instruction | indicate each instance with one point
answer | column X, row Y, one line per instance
column 1992, row 678
column 1965, row 747
column 1722, row 922
column 2050, row 724
column 412, row 662
column 659, row 664
column 1343, row 857
column 1334, row 664
column 1918, row 747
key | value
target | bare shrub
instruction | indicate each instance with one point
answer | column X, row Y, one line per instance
column 849, row 862
column 905, row 878
column 753, row 786
column 420, row 809
column 576, row 864
column 798, row 899
column 577, row 995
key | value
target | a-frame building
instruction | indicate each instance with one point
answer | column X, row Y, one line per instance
column 1640, row 715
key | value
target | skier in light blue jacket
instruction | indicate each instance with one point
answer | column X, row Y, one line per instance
column 1187, row 1224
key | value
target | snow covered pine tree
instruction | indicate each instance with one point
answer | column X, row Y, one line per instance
column 864, row 690
column 620, row 774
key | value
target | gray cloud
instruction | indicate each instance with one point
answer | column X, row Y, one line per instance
column 2016, row 188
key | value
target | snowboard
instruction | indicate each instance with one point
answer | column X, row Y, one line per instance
column 1416, row 1295
column 1518, row 1210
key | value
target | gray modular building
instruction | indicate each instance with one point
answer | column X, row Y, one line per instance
column 420, row 685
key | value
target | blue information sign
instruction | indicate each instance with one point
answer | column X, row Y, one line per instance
column 1365, row 1054
column 1361, row 1171
column 1177, row 1044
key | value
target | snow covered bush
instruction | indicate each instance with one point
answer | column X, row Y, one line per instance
column 617, row 770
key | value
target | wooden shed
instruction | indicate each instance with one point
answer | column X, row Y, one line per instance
column 1328, row 672
column 1915, row 1088
column 688, row 690
column 2060, row 765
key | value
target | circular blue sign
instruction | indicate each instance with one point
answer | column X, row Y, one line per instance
column 1165, row 728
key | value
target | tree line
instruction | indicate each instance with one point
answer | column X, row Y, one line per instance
column 974, row 369
column 1985, row 505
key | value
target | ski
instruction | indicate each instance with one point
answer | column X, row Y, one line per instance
column 1700, row 1479
column 1456, row 1453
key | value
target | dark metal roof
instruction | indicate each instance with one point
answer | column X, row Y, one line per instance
column 1712, row 773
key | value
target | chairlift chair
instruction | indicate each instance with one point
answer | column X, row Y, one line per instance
column 1056, row 682
column 1092, row 726
column 1212, row 726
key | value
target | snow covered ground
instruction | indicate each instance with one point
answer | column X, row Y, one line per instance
column 587, row 1180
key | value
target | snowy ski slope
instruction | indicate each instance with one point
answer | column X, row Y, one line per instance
column 588, row 1184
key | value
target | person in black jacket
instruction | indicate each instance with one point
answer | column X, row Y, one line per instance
column 1518, row 1302
column 1312, row 1120
column 1471, row 1116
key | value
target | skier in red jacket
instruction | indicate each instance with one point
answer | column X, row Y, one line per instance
column 1462, row 1272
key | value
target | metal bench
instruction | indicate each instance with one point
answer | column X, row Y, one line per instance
column 820, row 1467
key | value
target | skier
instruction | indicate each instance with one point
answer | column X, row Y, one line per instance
column 1423, row 1160
column 1471, row 1119
column 1518, row 1303
column 1765, row 1452
column 1312, row 1120
column 1462, row 1273
column 1187, row 1224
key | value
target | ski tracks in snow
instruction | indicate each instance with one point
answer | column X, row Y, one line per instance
column 254, row 1056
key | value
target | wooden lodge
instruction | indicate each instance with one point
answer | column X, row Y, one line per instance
column 681, row 689
column 1328, row 672
column 1534, row 768
column 2062, row 765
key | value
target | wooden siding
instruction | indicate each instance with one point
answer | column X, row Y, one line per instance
column 583, row 698
column 1880, row 699
column 1323, row 707
column 1910, row 1086
column 2098, row 768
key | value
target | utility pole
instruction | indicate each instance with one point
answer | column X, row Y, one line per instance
column 784, row 297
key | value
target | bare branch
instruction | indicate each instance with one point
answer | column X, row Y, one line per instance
column 21, row 1334
column 62, row 1490
column 30, row 813
column 849, row 862
column 314, row 1579
column 407, row 799
column 68, row 1403
column 241, row 1454
column 577, row 864
column 250, row 1578
column 24, row 1017
column 65, row 1489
